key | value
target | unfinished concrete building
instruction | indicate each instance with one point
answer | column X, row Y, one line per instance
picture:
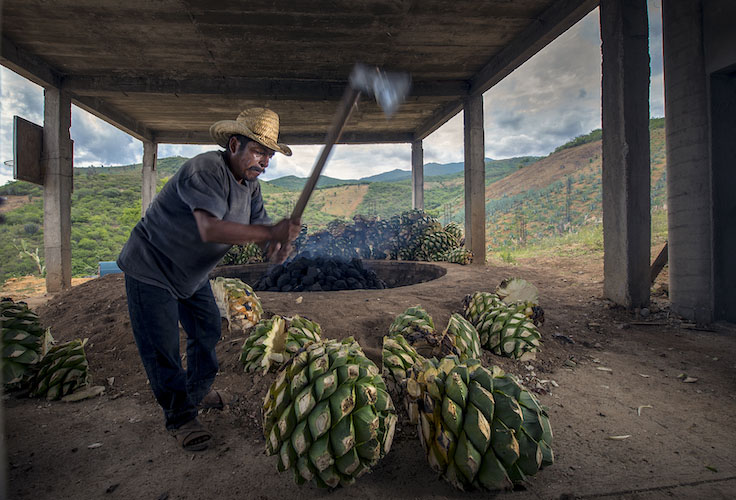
column 164, row 71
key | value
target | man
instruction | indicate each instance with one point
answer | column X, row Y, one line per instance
column 213, row 202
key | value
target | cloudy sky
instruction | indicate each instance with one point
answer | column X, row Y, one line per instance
column 553, row 97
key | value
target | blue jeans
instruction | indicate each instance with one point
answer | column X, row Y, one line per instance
column 155, row 315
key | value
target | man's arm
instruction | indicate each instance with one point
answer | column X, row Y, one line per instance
column 214, row 230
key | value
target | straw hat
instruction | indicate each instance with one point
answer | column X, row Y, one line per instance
column 259, row 124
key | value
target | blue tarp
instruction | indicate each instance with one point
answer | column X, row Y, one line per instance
column 109, row 267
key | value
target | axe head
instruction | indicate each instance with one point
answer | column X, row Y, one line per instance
column 389, row 89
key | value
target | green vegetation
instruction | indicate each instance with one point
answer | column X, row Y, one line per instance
column 593, row 136
column 294, row 183
column 562, row 209
column 564, row 216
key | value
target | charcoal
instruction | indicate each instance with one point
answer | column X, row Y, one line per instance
column 319, row 274
column 351, row 272
column 277, row 270
column 283, row 280
column 312, row 272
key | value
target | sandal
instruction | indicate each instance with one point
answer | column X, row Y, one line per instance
column 192, row 436
column 214, row 400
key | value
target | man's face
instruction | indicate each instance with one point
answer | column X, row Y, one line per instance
column 250, row 162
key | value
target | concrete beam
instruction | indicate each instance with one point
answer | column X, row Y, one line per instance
column 172, row 137
column 148, row 181
column 548, row 26
column 29, row 66
column 114, row 117
column 689, row 184
column 626, row 169
column 438, row 118
column 417, row 175
column 723, row 130
column 475, row 179
column 240, row 87
column 57, row 159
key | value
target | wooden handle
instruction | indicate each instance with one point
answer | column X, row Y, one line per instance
column 349, row 98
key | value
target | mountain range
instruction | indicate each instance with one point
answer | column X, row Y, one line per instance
column 294, row 183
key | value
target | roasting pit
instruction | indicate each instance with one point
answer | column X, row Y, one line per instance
column 393, row 273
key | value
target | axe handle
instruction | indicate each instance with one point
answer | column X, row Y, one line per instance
column 349, row 98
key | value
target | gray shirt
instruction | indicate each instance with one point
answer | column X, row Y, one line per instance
column 165, row 249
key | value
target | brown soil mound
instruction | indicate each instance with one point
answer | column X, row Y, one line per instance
column 603, row 372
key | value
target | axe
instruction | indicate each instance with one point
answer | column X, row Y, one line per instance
column 390, row 89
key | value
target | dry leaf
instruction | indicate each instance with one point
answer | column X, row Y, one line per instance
column 638, row 410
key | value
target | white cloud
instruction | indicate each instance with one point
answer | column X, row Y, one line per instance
column 98, row 143
column 346, row 161
column 552, row 98
column 185, row 150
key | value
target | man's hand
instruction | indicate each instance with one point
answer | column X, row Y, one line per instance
column 282, row 234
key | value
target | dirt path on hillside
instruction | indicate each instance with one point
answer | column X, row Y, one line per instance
column 342, row 201
column 602, row 372
column 13, row 201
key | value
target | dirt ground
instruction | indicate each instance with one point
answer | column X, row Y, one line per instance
column 603, row 371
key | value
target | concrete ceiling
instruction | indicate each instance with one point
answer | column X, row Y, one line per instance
column 164, row 70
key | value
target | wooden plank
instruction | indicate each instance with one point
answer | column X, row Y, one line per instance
column 659, row 262
column 27, row 149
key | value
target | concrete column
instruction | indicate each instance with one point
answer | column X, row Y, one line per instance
column 626, row 169
column 475, row 179
column 417, row 175
column 723, row 130
column 57, row 205
column 689, row 199
column 148, row 181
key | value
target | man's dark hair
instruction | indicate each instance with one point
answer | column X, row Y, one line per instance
column 242, row 142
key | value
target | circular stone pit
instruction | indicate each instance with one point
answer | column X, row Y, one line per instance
column 394, row 273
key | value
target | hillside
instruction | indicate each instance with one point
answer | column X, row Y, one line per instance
column 528, row 200
column 294, row 183
column 561, row 194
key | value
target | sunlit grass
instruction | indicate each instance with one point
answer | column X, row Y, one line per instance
column 584, row 241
